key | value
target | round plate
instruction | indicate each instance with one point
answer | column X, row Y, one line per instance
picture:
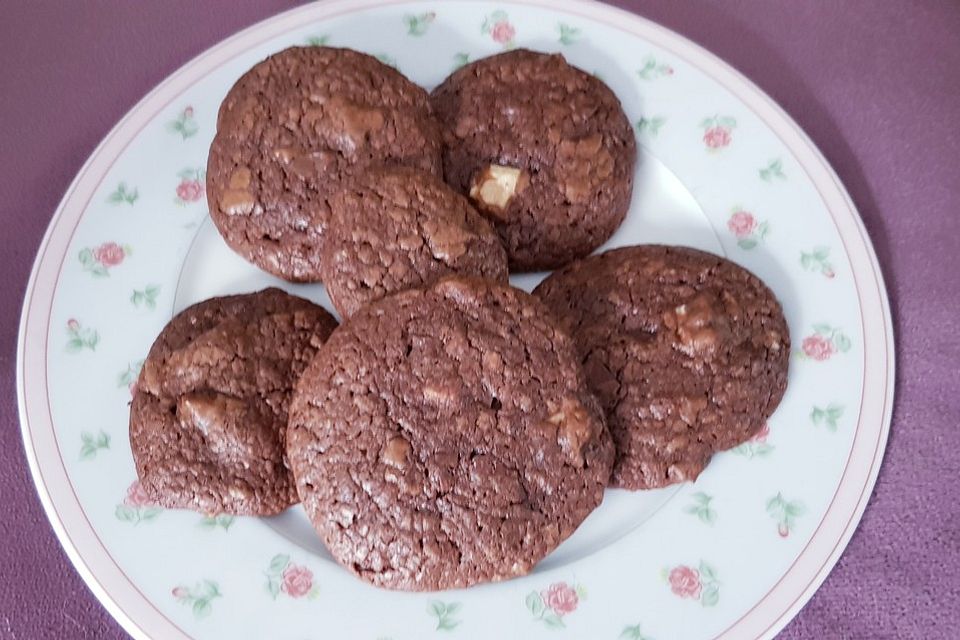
column 722, row 168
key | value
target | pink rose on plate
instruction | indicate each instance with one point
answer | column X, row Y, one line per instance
column 741, row 224
column 180, row 593
column 761, row 436
column 817, row 347
column 685, row 582
column 189, row 190
column 560, row 597
column 109, row 254
column 73, row 325
column 136, row 496
column 503, row 32
column 297, row 581
column 188, row 112
column 717, row 137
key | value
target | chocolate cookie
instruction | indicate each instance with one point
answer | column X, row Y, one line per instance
column 208, row 417
column 445, row 437
column 399, row 228
column 686, row 351
column 543, row 149
column 289, row 131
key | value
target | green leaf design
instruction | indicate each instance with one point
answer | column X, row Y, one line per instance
column 201, row 608
column 92, row 444
column 444, row 612
column 417, row 25
column 121, row 195
column 763, row 229
column 631, row 633
column 728, row 122
column 273, row 587
column 710, row 595
column 834, row 411
column 150, row 513
column 706, row 572
column 568, row 34
column 746, row 243
column 775, row 504
column 125, row 513
column 318, row 41
column 86, row 257
column 553, row 621
column 707, row 515
column 535, row 603
column 843, row 342
column 795, row 509
column 460, row 59
column 210, row 589
column 823, row 329
column 279, row 562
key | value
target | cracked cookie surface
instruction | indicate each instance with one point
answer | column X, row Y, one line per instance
column 208, row 417
column 687, row 352
column 543, row 149
column 445, row 437
column 396, row 228
column 289, row 131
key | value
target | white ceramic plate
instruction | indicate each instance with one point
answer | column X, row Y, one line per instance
column 722, row 168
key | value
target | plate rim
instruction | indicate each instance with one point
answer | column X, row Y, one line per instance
column 590, row 9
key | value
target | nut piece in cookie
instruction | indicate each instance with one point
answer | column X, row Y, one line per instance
column 208, row 418
column 494, row 187
column 686, row 351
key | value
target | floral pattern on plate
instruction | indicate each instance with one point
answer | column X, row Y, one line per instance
column 700, row 583
column 185, row 124
column 81, row 337
column 498, row 27
column 98, row 261
column 825, row 342
column 289, row 579
column 137, row 506
column 552, row 604
column 198, row 597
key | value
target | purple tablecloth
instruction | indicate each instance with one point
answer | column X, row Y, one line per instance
column 875, row 84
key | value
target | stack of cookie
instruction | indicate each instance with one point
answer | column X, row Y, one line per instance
column 453, row 430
